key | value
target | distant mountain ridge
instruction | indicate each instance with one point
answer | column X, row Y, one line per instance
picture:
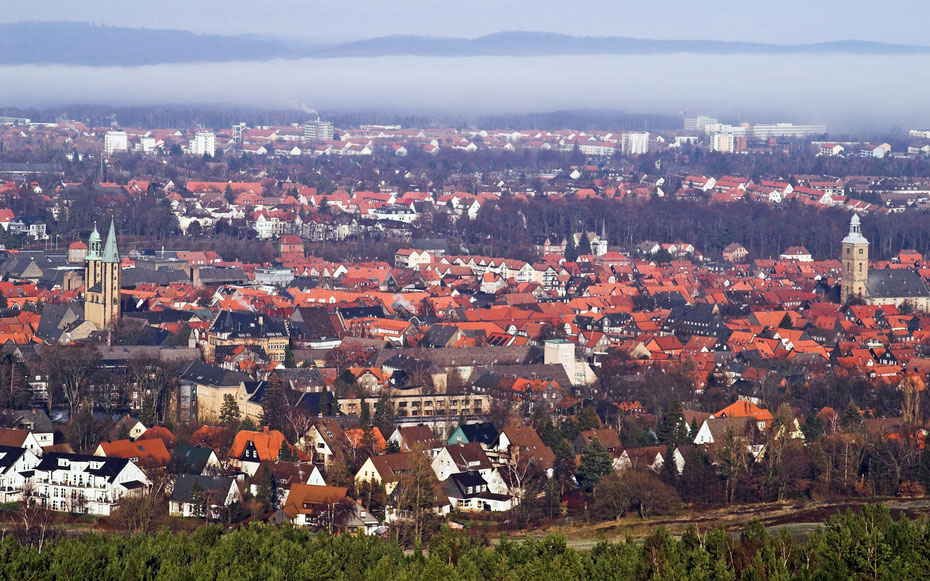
column 81, row 43
column 92, row 45
column 548, row 44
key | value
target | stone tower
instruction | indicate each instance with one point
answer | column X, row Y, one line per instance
column 102, row 278
column 855, row 259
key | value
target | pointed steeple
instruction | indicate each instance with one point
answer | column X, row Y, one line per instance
column 93, row 245
column 110, row 251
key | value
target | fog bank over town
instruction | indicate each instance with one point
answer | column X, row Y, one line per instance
column 847, row 92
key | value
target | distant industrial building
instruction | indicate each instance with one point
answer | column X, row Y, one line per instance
column 698, row 123
column 787, row 130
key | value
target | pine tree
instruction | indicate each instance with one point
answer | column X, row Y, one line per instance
column 198, row 500
column 364, row 417
column 588, row 419
column 326, row 403
column 571, row 253
column 672, row 429
column 274, row 405
column 229, row 412
column 384, row 415
column 584, row 245
column 266, row 492
column 595, row 464
column 289, row 361
column 285, row 454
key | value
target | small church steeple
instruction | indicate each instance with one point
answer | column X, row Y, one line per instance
column 93, row 245
column 110, row 250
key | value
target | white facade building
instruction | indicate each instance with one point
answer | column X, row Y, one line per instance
column 787, row 130
column 698, row 123
column 722, row 142
column 635, row 143
column 318, row 131
column 115, row 141
column 16, row 465
column 203, row 143
column 86, row 484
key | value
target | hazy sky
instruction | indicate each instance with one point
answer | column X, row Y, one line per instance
column 789, row 21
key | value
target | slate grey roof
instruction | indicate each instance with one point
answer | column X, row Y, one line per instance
column 109, row 469
column 210, row 275
column 190, row 459
column 552, row 372
column 237, row 324
column 896, row 283
column 8, row 456
column 218, row 485
column 439, row 335
column 468, row 356
column 133, row 277
column 32, row 420
column 56, row 319
column 481, row 433
column 203, row 374
column 314, row 323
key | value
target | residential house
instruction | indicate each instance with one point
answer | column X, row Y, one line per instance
column 414, row 438
column 470, row 492
column 214, row 492
column 86, row 484
column 16, row 466
column 17, row 438
column 249, row 449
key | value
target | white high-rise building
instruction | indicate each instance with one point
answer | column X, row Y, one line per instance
column 115, row 141
column 635, row 143
column 203, row 143
column 318, row 131
column 698, row 123
column 723, row 142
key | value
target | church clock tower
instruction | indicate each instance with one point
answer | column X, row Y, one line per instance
column 102, row 279
column 855, row 259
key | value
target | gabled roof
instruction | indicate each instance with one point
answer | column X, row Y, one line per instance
column 417, row 438
column 151, row 452
column 481, row 433
column 307, row 498
column 267, row 444
column 216, row 487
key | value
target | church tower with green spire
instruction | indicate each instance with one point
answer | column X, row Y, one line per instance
column 102, row 278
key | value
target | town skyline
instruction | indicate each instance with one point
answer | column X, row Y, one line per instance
column 423, row 290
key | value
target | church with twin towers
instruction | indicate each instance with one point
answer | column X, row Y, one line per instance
column 102, row 280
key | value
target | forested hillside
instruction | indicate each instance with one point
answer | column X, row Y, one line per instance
column 868, row 545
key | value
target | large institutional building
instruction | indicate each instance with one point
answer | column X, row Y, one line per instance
column 878, row 287
column 102, row 277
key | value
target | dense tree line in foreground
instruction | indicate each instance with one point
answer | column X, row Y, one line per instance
column 865, row 545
